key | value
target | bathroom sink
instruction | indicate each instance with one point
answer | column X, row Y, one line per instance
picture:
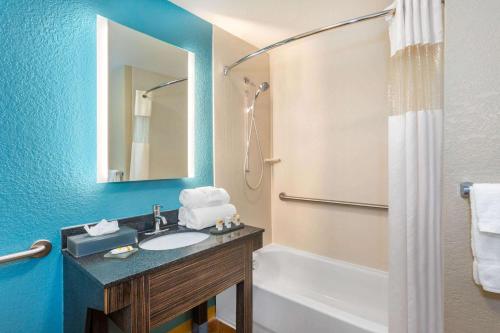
column 173, row 241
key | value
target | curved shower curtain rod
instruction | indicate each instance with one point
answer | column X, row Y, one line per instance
column 161, row 85
column 381, row 13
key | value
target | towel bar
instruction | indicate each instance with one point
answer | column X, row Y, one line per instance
column 39, row 249
column 465, row 189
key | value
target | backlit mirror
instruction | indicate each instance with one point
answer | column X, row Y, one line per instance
column 145, row 106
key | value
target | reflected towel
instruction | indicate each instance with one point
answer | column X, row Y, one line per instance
column 142, row 104
column 201, row 218
column 207, row 196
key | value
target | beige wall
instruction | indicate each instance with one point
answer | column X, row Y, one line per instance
column 330, row 115
column 229, row 124
column 471, row 152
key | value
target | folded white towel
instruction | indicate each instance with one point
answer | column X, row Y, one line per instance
column 204, row 217
column 486, row 206
column 485, row 249
column 207, row 196
column 183, row 215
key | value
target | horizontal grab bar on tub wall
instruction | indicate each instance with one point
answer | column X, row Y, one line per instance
column 38, row 249
column 285, row 197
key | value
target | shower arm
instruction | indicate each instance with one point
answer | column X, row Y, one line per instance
column 385, row 12
column 162, row 85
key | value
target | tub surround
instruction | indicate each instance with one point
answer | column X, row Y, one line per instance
column 229, row 128
column 338, row 150
column 152, row 287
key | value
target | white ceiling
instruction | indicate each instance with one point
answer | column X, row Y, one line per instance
column 263, row 22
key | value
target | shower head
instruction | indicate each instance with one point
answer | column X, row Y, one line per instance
column 263, row 87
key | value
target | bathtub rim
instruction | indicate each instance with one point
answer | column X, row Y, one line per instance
column 351, row 318
column 275, row 247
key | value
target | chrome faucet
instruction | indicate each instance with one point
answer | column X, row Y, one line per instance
column 158, row 220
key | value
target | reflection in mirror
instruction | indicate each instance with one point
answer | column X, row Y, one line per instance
column 145, row 112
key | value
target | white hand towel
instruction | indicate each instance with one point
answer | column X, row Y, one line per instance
column 486, row 251
column 201, row 218
column 204, row 197
column 486, row 205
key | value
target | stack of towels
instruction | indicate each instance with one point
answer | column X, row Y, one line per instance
column 203, row 206
column 485, row 235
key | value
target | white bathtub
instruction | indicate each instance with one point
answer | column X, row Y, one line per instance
column 299, row 292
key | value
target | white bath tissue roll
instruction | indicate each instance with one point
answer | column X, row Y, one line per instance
column 207, row 196
column 201, row 218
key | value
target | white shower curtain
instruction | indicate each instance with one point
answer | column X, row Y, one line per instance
column 415, row 139
column 139, row 156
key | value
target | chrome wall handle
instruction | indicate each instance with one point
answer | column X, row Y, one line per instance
column 38, row 249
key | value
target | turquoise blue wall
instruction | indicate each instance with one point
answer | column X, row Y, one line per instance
column 48, row 137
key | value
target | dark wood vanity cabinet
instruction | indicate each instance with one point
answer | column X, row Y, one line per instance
column 158, row 296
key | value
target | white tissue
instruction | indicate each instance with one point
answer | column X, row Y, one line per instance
column 102, row 228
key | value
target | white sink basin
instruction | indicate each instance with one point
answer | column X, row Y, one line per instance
column 173, row 241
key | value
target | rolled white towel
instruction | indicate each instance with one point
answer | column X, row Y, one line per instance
column 207, row 196
column 201, row 218
column 183, row 216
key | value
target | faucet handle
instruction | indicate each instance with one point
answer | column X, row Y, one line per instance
column 161, row 220
column 156, row 209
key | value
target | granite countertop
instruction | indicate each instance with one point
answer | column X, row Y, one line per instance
column 106, row 271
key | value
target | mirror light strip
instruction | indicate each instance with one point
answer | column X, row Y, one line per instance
column 102, row 99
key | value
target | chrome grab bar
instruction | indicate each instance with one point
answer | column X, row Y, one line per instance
column 38, row 249
column 285, row 197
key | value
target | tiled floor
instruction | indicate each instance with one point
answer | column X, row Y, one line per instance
column 215, row 326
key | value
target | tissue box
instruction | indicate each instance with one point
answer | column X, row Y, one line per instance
column 84, row 245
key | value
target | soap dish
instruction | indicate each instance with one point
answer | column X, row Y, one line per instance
column 124, row 255
column 225, row 230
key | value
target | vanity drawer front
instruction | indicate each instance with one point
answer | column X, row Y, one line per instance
column 191, row 282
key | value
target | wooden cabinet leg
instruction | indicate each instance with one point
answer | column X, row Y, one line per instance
column 96, row 322
column 244, row 316
column 200, row 318
column 244, row 307
column 139, row 305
